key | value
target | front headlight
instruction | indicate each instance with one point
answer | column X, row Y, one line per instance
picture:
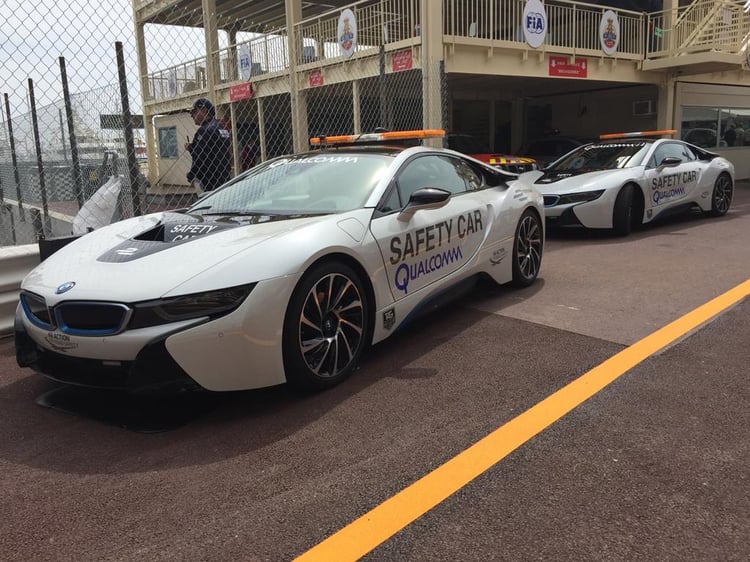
column 580, row 197
column 211, row 303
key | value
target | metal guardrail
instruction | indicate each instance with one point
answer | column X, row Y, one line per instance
column 15, row 263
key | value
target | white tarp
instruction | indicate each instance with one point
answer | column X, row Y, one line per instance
column 101, row 209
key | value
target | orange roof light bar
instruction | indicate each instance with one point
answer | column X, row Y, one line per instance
column 660, row 133
column 379, row 137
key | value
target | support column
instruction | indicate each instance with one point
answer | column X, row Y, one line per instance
column 665, row 107
column 211, row 33
column 670, row 8
column 431, row 25
column 147, row 96
column 300, row 133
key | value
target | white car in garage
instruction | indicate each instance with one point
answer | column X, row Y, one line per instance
column 285, row 274
column 628, row 179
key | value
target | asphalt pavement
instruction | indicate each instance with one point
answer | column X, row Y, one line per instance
column 652, row 467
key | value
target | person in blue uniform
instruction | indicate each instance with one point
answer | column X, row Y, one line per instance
column 210, row 149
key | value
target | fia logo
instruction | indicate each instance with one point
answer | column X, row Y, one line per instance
column 534, row 23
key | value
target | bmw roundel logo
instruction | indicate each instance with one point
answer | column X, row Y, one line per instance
column 65, row 287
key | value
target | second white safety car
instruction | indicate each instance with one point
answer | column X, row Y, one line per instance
column 629, row 179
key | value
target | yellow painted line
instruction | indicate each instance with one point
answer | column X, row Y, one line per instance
column 382, row 522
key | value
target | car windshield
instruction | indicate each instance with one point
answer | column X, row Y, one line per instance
column 602, row 156
column 311, row 183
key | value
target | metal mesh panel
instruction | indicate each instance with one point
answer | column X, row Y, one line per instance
column 272, row 89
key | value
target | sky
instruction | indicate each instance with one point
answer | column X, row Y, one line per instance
column 33, row 35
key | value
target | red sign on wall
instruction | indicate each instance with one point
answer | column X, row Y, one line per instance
column 402, row 60
column 561, row 66
column 241, row 92
column 315, row 78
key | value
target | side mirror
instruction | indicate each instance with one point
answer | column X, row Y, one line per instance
column 425, row 198
column 670, row 161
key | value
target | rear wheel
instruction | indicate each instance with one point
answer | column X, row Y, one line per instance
column 721, row 198
column 326, row 327
column 527, row 249
column 622, row 214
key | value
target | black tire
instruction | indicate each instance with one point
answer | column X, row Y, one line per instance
column 721, row 198
column 622, row 214
column 528, row 245
column 326, row 327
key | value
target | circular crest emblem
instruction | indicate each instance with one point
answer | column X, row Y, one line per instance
column 65, row 287
column 347, row 33
column 609, row 32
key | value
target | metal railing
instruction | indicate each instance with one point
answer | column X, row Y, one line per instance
column 183, row 79
column 573, row 27
column 702, row 26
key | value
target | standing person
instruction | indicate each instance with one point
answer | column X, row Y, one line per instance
column 210, row 149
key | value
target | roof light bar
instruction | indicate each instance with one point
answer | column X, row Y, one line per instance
column 379, row 137
column 659, row 133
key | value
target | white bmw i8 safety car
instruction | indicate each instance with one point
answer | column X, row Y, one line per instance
column 285, row 274
column 629, row 179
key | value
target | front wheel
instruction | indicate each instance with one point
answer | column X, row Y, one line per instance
column 721, row 198
column 622, row 214
column 527, row 249
column 326, row 327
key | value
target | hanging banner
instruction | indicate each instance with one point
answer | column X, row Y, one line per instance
column 609, row 32
column 241, row 92
column 315, row 78
column 402, row 60
column 560, row 66
column 347, row 33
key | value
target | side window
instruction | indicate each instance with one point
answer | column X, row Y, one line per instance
column 669, row 149
column 689, row 154
column 430, row 171
column 472, row 180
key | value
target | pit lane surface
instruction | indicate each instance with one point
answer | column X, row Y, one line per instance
column 655, row 466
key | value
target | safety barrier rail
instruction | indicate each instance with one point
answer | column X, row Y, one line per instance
column 15, row 263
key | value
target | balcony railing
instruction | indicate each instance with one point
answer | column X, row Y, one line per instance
column 573, row 28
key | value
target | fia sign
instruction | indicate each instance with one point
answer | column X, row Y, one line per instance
column 534, row 23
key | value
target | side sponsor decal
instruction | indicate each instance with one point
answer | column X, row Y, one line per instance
column 419, row 253
column 672, row 185
column 60, row 342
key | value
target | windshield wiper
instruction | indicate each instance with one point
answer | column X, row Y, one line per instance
column 203, row 208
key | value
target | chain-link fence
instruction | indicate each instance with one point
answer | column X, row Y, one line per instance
column 69, row 159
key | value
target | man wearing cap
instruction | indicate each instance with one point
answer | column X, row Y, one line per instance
column 210, row 149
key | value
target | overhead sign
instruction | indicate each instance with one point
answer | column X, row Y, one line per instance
column 347, row 33
column 609, row 32
column 561, row 66
column 402, row 60
column 534, row 23
column 241, row 92
column 117, row 121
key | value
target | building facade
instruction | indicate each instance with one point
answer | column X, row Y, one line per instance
column 504, row 71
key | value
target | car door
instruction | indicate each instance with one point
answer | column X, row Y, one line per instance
column 674, row 182
column 423, row 245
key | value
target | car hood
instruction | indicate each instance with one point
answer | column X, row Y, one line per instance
column 560, row 183
column 163, row 254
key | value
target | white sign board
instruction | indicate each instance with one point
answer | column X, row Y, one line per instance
column 534, row 23
column 609, row 32
column 347, row 33
column 245, row 61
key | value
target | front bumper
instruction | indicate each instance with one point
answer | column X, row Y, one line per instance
column 152, row 371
